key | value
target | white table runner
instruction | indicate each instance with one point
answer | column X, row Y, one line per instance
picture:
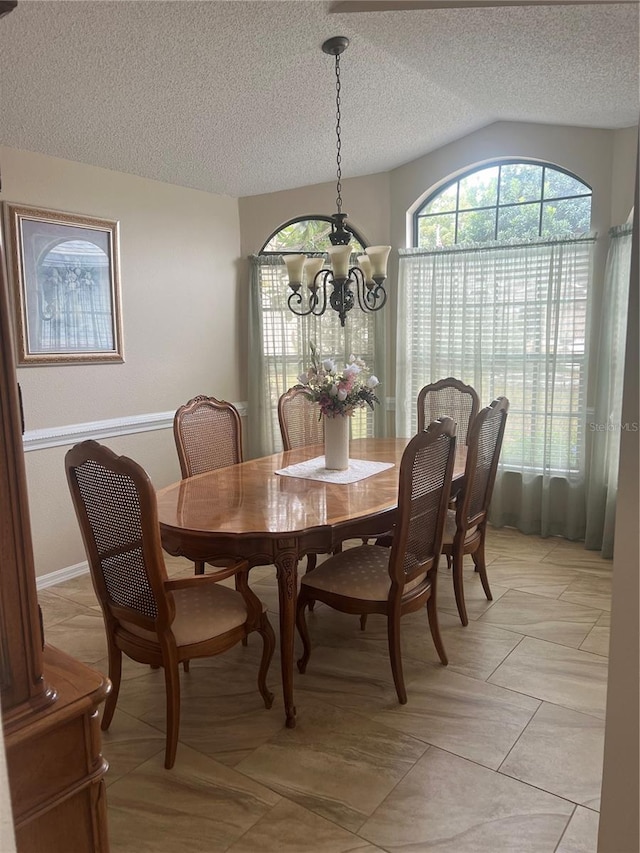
column 313, row 469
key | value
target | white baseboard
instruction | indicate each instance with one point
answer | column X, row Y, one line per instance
column 61, row 575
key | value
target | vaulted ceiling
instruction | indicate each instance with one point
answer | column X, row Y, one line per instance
column 237, row 97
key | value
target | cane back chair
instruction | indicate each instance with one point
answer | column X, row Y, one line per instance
column 208, row 435
column 466, row 527
column 448, row 398
column 150, row 618
column 375, row 579
column 299, row 419
column 300, row 425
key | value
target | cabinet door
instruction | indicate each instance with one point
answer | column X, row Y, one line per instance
column 22, row 685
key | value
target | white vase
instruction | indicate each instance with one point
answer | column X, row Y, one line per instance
column 336, row 443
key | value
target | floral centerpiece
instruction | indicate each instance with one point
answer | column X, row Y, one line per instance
column 339, row 392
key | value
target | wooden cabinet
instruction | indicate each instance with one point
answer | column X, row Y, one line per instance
column 49, row 700
column 55, row 767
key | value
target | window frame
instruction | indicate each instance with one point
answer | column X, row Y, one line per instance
column 497, row 207
column 322, row 217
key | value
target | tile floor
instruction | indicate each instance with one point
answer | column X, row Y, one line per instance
column 500, row 752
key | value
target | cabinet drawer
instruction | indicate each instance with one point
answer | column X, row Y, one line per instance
column 50, row 764
column 75, row 825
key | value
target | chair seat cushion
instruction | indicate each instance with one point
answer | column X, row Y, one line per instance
column 203, row 611
column 450, row 528
column 361, row 572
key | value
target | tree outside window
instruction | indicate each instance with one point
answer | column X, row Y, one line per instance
column 504, row 202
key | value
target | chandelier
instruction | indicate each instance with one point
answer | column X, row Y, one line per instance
column 365, row 282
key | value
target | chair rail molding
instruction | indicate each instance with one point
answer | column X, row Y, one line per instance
column 40, row 439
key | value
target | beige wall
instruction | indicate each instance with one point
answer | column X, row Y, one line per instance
column 365, row 200
column 622, row 174
column 180, row 300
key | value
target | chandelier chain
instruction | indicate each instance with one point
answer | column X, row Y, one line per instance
column 342, row 287
column 338, row 139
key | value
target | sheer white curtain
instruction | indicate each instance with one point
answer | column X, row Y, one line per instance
column 607, row 425
column 511, row 321
column 279, row 351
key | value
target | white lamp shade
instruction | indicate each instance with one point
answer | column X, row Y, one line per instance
column 365, row 266
column 378, row 256
column 312, row 267
column 340, row 260
column 295, row 263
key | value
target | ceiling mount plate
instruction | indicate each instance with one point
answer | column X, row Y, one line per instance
column 336, row 45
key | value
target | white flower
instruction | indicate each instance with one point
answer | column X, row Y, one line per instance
column 339, row 391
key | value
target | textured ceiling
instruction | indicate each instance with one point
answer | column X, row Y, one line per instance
column 237, row 97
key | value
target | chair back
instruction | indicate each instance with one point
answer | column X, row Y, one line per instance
column 299, row 418
column 483, row 452
column 115, row 504
column 423, row 496
column 448, row 398
column 208, row 435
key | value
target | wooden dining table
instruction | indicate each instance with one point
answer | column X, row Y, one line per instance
column 249, row 512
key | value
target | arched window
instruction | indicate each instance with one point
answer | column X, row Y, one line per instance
column 279, row 341
column 496, row 293
column 504, row 202
column 306, row 234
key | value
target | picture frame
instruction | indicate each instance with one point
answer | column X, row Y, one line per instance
column 65, row 275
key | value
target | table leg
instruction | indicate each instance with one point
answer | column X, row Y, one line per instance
column 287, row 575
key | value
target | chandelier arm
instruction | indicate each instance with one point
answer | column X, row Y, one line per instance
column 322, row 276
column 316, row 307
column 376, row 294
column 370, row 297
column 357, row 274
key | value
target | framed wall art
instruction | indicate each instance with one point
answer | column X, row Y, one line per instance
column 66, row 284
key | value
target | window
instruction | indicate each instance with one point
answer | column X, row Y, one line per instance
column 511, row 321
column 504, row 202
column 283, row 348
column 509, row 317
